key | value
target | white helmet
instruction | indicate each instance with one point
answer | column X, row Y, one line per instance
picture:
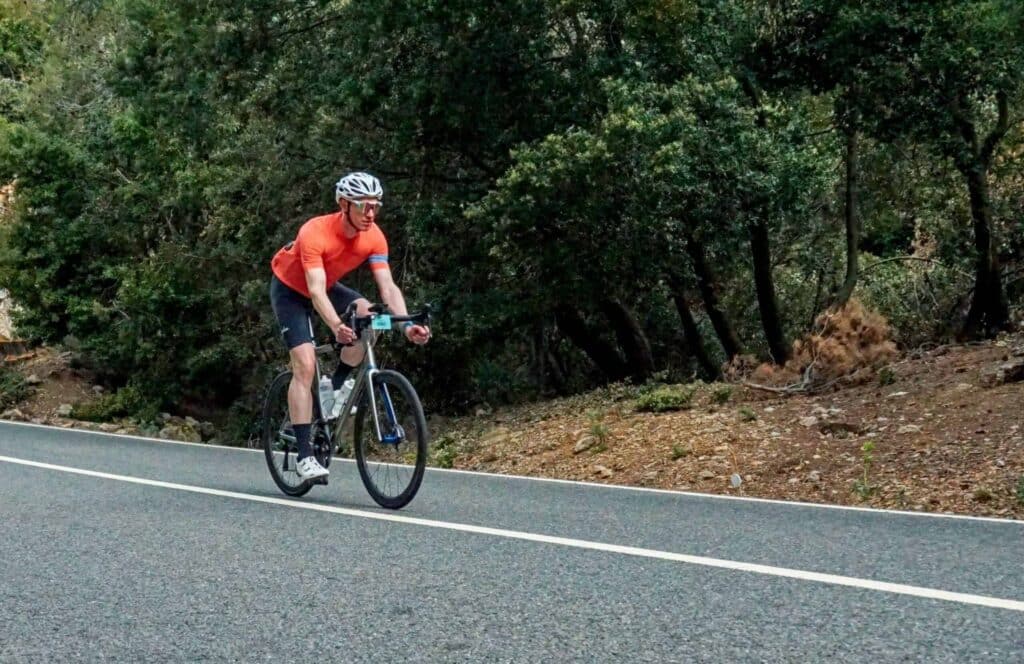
column 355, row 186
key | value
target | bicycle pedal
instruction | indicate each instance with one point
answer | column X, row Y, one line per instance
column 319, row 480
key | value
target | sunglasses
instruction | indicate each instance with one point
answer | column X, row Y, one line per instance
column 367, row 206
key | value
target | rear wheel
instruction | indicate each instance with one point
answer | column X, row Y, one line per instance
column 391, row 461
column 278, row 438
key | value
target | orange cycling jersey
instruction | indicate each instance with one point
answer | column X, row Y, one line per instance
column 321, row 243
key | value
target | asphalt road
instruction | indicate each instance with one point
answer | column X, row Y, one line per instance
column 126, row 549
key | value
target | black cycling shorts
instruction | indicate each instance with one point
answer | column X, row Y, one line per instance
column 295, row 311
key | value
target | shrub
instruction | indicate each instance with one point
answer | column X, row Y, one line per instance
column 126, row 401
column 886, row 376
column 598, row 429
column 849, row 343
column 678, row 452
column 747, row 414
column 445, row 452
column 13, row 387
column 720, row 394
column 667, row 398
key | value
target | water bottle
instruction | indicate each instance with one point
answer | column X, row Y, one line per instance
column 341, row 396
column 326, row 395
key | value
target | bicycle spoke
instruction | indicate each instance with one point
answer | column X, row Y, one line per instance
column 391, row 463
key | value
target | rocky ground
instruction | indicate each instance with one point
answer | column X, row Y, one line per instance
column 938, row 431
column 943, row 434
column 57, row 389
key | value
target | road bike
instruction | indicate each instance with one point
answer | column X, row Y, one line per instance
column 390, row 437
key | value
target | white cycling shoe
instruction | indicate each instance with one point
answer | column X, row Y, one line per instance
column 310, row 469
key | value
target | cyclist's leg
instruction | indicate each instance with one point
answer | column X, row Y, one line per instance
column 293, row 312
column 300, row 396
column 341, row 296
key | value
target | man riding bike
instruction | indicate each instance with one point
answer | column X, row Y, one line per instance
column 306, row 276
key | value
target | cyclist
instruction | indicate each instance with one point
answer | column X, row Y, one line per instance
column 306, row 275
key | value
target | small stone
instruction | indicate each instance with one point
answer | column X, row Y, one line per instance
column 793, row 480
column 909, row 428
column 603, row 471
column 1000, row 463
column 13, row 414
column 814, row 476
column 892, row 395
column 109, row 427
column 735, row 481
column 651, row 476
column 808, row 421
column 706, row 475
column 99, row 389
column 963, row 387
column 33, row 379
column 64, row 410
column 495, row 436
column 769, row 409
column 583, row 444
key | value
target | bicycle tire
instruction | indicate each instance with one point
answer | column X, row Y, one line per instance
column 270, row 429
column 369, row 459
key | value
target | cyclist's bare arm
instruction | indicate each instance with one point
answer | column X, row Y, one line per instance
column 316, row 281
column 391, row 295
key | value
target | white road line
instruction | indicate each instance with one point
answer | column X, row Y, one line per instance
column 831, row 579
column 596, row 485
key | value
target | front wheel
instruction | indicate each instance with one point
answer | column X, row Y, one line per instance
column 391, row 447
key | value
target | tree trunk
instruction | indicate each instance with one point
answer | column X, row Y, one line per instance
column 557, row 374
column 706, row 284
column 632, row 339
column 764, row 285
column 602, row 353
column 852, row 220
column 760, row 250
column 692, row 338
column 989, row 312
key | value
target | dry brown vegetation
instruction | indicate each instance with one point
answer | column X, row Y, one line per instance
column 932, row 431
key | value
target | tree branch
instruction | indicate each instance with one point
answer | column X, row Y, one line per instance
column 1002, row 126
column 911, row 258
column 284, row 34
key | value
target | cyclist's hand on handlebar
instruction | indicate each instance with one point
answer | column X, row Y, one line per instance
column 418, row 334
column 344, row 334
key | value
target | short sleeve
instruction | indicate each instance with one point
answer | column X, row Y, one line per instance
column 311, row 250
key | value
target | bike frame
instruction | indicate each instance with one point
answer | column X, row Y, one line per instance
column 363, row 376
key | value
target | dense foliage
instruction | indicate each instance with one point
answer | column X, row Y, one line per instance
column 588, row 190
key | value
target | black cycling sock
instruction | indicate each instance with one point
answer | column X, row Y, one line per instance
column 302, row 432
column 340, row 374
